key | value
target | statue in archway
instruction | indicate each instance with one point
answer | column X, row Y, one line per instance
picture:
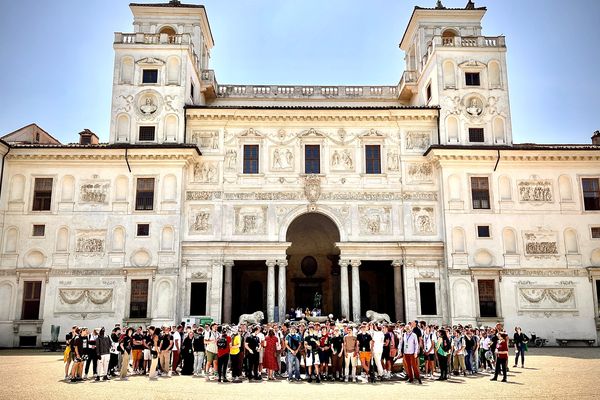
column 317, row 300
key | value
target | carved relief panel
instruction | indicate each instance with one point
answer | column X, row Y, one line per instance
column 282, row 159
column 546, row 298
column 95, row 192
column 206, row 172
column 90, row 243
column 206, row 140
column 535, row 190
column 342, row 159
column 417, row 141
column 201, row 220
column 540, row 244
column 250, row 220
column 71, row 300
column 419, row 172
column 423, row 220
column 231, row 160
column 375, row 220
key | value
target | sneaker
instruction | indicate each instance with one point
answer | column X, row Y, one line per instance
column 503, row 380
column 97, row 379
column 515, row 366
column 420, row 382
column 106, row 378
column 345, row 379
column 494, row 379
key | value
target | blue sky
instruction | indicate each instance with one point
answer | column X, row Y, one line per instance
column 57, row 57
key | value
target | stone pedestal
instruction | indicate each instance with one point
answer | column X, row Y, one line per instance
column 355, row 290
column 227, row 291
column 282, row 289
column 398, row 292
column 344, row 290
column 270, row 290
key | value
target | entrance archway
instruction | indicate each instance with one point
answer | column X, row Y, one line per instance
column 313, row 263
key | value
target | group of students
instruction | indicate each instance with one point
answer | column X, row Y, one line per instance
column 331, row 351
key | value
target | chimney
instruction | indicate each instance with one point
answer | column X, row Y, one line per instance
column 596, row 138
column 87, row 137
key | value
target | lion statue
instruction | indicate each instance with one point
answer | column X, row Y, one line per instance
column 378, row 317
column 250, row 319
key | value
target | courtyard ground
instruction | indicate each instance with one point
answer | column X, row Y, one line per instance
column 550, row 373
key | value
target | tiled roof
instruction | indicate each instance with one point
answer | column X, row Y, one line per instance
column 109, row 146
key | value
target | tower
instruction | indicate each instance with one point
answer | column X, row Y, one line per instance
column 158, row 69
column 451, row 64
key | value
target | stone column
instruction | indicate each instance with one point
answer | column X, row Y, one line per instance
column 344, row 290
column 355, row 290
column 282, row 289
column 216, row 290
column 270, row 290
column 398, row 292
column 227, row 282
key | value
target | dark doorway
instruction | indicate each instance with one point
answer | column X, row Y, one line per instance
column 249, row 288
column 198, row 298
column 377, row 287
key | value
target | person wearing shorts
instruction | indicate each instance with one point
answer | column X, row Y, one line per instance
column 137, row 350
column 146, row 353
column 365, row 347
column 324, row 352
column 210, row 341
column 311, row 344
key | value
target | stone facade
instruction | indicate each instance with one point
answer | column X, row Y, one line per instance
column 217, row 200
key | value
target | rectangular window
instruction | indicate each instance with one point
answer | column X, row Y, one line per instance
column 198, row 298
column 428, row 298
column 39, row 230
column 591, row 193
column 312, row 159
column 147, row 133
column 138, row 304
column 476, row 135
column 480, row 193
column 596, row 232
column 472, row 78
column 487, row 297
column 32, row 291
column 150, row 76
column 373, row 159
column 483, row 231
column 42, row 194
column 144, row 197
column 143, row 229
column 429, row 92
column 251, row 159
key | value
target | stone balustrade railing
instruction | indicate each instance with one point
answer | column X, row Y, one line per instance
column 461, row 41
column 273, row 91
column 141, row 38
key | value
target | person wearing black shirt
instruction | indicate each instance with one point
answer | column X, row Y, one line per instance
column 91, row 354
column 337, row 349
column 164, row 356
column 520, row 340
column 137, row 350
column 153, row 345
column 77, row 347
column 114, row 350
column 125, row 346
column 311, row 344
column 187, row 354
column 469, row 347
column 252, row 346
column 365, row 346
column 199, row 349
column 69, row 353
column 103, row 354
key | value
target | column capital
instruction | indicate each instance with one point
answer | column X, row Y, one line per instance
column 228, row 263
column 344, row 262
column 396, row 263
column 216, row 263
column 282, row 263
column 271, row 263
column 355, row 263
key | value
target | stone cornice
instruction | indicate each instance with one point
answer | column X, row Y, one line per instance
column 311, row 115
column 452, row 155
column 106, row 155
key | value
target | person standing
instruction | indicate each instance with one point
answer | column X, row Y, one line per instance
column 520, row 340
column 443, row 348
column 164, row 356
column 187, row 354
column 77, row 351
column 69, row 354
column 311, row 344
column 270, row 360
column 114, row 351
column 199, row 349
column 176, row 348
column 458, row 353
column 365, row 348
column 137, row 350
column 337, row 349
column 103, row 354
column 210, row 341
column 429, row 343
column 378, row 342
column 125, row 346
column 154, row 351
column 469, row 351
column 92, row 358
column 410, row 349
column 501, row 356
column 223, row 344
column 350, row 354
column 324, row 351
column 234, row 354
column 292, row 345
column 252, row 345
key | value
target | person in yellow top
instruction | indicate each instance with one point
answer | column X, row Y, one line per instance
column 234, row 353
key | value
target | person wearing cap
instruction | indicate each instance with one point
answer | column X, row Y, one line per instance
column 410, row 349
column 365, row 348
column 311, row 344
column 223, row 345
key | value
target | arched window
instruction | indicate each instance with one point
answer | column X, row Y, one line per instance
column 170, row 32
column 448, row 37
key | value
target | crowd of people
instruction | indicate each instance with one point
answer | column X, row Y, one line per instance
column 330, row 351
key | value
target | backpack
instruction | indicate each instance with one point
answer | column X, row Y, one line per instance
column 222, row 343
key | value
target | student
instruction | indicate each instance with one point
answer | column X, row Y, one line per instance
column 176, row 348
column 165, row 345
column 90, row 351
column 324, row 352
column 292, row 345
column 199, row 351
column 520, row 340
column 103, row 346
column 443, row 348
column 137, row 351
column 234, row 354
column 365, row 348
column 77, row 350
column 210, row 341
column 252, row 345
column 270, row 359
column 501, row 356
column 69, row 354
column 311, row 344
column 350, row 354
column 429, row 342
column 114, row 351
column 378, row 342
column 223, row 344
column 410, row 349
column 458, row 353
column 125, row 346
column 337, row 349
column 187, row 354
column 154, row 346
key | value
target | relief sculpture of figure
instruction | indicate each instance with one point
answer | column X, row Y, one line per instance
column 347, row 159
column 474, row 108
column 335, row 158
column 149, row 107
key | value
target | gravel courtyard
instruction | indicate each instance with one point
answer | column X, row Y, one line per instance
column 550, row 373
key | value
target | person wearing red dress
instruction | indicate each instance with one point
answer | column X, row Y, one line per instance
column 270, row 357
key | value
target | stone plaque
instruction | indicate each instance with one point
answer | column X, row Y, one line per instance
column 539, row 191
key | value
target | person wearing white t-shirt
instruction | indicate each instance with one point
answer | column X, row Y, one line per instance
column 210, row 341
column 261, row 351
column 175, row 351
column 378, row 340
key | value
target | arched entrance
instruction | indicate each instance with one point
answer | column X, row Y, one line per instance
column 313, row 263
